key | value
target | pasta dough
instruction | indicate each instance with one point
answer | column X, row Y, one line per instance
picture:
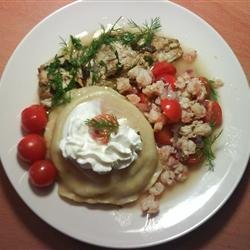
column 119, row 186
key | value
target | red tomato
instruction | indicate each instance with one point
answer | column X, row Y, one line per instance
column 162, row 68
column 34, row 119
column 169, row 79
column 32, row 148
column 214, row 113
column 144, row 98
column 171, row 109
column 194, row 159
column 163, row 137
column 42, row 173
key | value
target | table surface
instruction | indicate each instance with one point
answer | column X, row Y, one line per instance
column 228, row 229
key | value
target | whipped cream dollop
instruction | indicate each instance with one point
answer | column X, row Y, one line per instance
column 78, row 145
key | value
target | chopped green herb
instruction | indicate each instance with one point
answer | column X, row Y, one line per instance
column 149, row 60
column 207, row 149
column 76, row 43
column 56, row 82
column 128, row 38
column 213, row 92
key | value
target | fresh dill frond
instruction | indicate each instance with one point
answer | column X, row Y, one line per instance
column 63, row 42
column 133, row 24
column 213, row 92
column 150, row 29
column 104, row 123
column 128, row 38
column 115, row 23
column 207, row 149
column 146, row 32
column 76, row 43
column 154, row 25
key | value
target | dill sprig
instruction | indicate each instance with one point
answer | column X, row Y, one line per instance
column 213, row 92
column 207, row 149
column 106, row 38
column 104, row 123
column 146, row 31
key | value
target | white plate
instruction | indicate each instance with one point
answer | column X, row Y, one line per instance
column 184, row 208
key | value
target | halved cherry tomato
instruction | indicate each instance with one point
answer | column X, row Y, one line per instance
column 42, row 173
column 34, row 119
column 169, row 79
column 163, row 137
column 194, row 159
column 162, row 68
column 171, row 109
column 214, row 113
column 32, row 148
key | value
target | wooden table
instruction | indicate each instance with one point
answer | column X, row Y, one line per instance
column 228, row 229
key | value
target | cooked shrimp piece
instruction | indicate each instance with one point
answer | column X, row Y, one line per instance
column 199, row 110
column 157, row 189
column 155, row 89
column 154, row 113
column 186, row 116
column 165, row 152
column 171, row 162
column 142, row 76
column 187, row 146
column 218, row 83
column 149, row 204
column 190, row 56
column 181, row 172
column 202, row 129
column 167, row 177
column 123, row 85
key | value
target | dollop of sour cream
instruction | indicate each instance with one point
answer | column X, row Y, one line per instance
column 78, row 145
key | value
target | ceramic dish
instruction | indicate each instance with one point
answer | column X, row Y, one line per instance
column 183, row 208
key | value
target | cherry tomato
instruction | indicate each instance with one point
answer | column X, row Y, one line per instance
column 194, row 159
column 162, row 68
column 169, row 79
column 163, row 137
column 171, row 109
column 32, row 148
column 214, row 113
column 34, row 119
column 42, row 173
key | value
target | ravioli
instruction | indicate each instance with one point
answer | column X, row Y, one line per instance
column 119, row 186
